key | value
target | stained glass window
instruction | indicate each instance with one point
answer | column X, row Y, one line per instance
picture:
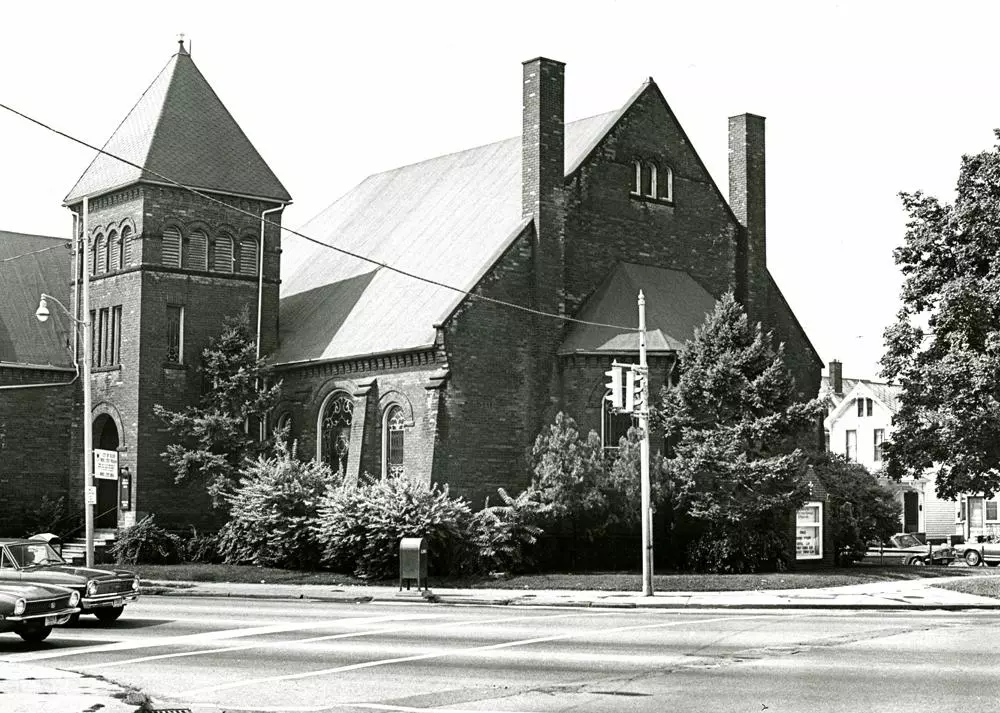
column 335, row 438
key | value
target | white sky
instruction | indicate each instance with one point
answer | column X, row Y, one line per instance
column 862, row 100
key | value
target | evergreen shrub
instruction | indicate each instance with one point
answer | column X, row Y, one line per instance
column 145, row 542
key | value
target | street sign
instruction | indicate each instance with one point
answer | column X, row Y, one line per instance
column 91, row 495
column 105, row 464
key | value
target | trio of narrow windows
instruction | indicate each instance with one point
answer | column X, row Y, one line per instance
column 111, row 252
column 217, row 253
column 106, row 336
column 652, row 181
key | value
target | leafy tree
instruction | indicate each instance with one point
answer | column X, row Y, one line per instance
column 218, row 435
column 949, row 418
column 738, row 428
column 862, row 508
column 568, row 479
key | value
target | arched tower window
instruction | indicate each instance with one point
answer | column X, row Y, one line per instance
column 171, row 255
column 335, row 431
column 114, row 251
column 126, row 251
column 392, row 441
column 100, row 254
column 248, row 256
column 667, row 184
column 196, row 251
column 221, row 258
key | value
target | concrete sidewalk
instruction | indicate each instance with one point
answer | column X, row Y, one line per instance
column 904, row 594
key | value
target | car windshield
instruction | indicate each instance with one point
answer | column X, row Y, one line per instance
column 29, row 554
column 907, row 541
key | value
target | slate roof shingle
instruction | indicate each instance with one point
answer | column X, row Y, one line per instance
column 41, row 264
column 180, row 129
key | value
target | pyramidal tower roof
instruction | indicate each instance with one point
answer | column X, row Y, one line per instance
column 180, row 129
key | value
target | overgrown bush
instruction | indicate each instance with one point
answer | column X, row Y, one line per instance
column 738, row 551
column 198, row 547
column 359, row 529
column 272, row 509
column 501, row 536
column 146, row 543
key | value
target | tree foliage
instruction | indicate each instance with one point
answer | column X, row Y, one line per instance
column 738, row 427
column 862, row 508
column 949, row 372
column 215, row 437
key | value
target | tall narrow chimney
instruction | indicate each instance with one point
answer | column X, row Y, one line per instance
column 836, row 370
column 543, row 173
column 747, row 199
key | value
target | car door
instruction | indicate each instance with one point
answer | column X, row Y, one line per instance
column 9, row 572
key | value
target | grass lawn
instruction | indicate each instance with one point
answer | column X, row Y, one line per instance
column 603, row 581
column 983, row 586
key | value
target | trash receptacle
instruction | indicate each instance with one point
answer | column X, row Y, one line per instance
column 53, row 540
column 413, row 562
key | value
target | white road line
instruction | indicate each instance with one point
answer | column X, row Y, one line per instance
column 206, row 637
column 297, row 642
column 451, row 652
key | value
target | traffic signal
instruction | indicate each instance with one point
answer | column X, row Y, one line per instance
column 637, row 391
column 630, row 390
column 614, row 386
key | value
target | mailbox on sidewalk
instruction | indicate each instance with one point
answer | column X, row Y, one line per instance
column 413, row 562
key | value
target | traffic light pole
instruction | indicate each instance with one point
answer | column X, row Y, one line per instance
column 647, row 511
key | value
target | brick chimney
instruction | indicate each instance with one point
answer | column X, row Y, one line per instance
column 543, row 173
column 836, row 371
column 747, row 199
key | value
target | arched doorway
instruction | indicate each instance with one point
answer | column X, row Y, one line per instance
column 106, row 438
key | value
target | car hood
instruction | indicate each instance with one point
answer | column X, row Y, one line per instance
column 68, row 575
column 10, row 591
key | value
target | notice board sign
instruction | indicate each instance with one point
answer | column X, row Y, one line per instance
column 105, row 464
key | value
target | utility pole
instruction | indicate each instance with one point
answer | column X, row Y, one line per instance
column 89, row 497
column 643, row 413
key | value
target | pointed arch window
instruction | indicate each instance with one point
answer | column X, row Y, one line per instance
column 248, row 256
column 114, row 251
column 126, row 248
column 196, row 251
column 335, row 431
column 171, row 256
column 100, row 254
column 393, row 439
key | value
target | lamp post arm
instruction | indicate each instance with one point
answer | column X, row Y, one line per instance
column 64, row 309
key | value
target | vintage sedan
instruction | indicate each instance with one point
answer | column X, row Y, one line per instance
column 906, row 548
column 976, row 553
column 102, row 593
column 31, row 610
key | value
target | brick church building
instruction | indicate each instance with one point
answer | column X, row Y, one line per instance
column 397, row 340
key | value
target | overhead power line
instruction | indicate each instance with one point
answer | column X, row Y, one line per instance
column 34, row 252
column 372, row 261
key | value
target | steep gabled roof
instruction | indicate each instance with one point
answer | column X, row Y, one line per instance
column 886, row 394
column 29, row 266
column 675, row 306
column 180, row 129
column 448, row 219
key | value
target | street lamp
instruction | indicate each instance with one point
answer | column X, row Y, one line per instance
column 42, row 314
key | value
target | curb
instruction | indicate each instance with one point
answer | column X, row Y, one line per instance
column 433, row 598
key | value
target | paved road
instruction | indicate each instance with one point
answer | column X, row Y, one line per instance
column 265, row 655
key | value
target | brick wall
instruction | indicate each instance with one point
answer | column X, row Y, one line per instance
column 39, row 447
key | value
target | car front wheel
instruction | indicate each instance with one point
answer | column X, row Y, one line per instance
column 108, row 614
column 34, row 634
column 917, row 561
column 973, row 558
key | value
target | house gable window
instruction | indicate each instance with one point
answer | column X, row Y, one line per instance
column 335, row 431
column 393, row 439
column 652, row 181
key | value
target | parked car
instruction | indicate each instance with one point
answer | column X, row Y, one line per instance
column 102, row 593
column 31, row 610
column 976, row 553
column 906, row 548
